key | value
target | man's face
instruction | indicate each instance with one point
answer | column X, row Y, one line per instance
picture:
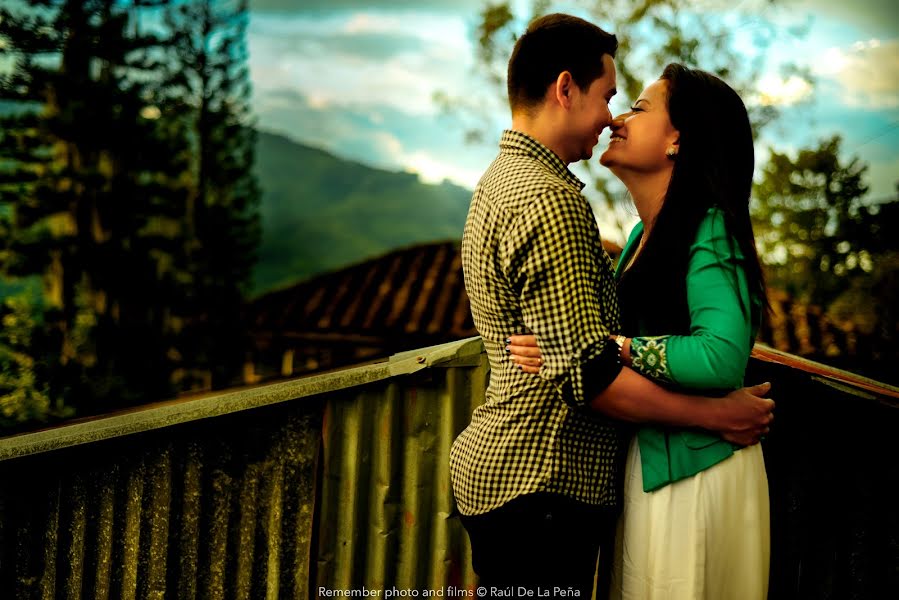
column 590, row 113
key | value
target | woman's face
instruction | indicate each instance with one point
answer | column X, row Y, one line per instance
column 641, row 136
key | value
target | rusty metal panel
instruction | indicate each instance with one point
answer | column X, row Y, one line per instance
column 208, row 509
column 385, row 518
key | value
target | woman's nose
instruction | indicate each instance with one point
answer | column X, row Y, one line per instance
column 618, row 122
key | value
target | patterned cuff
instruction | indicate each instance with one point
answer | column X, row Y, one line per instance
column 649, row 357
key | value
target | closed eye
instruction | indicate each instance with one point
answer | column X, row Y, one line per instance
column 637, row 109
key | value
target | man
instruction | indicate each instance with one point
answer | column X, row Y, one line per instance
column 536, row 473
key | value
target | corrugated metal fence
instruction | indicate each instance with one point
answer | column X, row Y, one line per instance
column 340, row 482
column 337, row 481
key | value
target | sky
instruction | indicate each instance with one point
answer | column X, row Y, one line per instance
column 358, row 78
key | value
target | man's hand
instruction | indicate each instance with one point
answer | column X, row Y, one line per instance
column 744, row 415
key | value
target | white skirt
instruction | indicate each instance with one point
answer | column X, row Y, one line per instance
column 702, row 538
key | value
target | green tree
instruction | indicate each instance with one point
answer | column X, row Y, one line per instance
column 826, row 244
column 207, row 96
column 24, row 395
column 82, row 175
column 813, row 228
column 126, row 189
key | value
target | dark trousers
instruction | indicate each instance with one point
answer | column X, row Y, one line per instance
column 539, row 542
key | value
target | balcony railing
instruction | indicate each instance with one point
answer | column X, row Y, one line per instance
column 339, row 482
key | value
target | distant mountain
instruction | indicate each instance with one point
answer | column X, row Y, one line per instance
column 320, row 212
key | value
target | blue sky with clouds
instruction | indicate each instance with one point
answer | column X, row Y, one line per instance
column 357, row 78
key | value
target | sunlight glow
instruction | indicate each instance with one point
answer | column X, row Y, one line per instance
column 777, row 91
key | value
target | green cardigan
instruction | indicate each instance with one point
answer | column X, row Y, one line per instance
column 713, row 356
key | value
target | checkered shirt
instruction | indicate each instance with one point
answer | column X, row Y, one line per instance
column 533, row 262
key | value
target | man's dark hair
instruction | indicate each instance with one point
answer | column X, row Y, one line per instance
column 553, row 44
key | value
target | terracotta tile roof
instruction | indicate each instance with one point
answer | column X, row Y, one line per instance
column 416, row 290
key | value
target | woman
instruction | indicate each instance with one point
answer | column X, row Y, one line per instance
column 695, row 520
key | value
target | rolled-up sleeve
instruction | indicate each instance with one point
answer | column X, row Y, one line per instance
column 554, row 261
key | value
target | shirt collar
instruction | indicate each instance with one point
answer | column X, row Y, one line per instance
column 515, row 142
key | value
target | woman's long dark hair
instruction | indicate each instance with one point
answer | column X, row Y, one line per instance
column 713, row 168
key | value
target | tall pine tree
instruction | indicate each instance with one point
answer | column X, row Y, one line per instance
column 99, row 200
column 208, row 95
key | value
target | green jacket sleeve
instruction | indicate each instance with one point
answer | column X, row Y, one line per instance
column 715, row 354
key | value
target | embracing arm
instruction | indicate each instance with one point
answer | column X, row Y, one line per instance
column 740, row 417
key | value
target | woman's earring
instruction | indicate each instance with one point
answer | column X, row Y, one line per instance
column 671, row 152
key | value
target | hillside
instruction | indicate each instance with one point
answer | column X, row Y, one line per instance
column 320, row 212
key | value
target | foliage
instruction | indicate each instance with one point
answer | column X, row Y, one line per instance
column 76, row 193
column 826, row 245
column 206, row 98
column 812, row 226
column 23, row 394
column 99, row 194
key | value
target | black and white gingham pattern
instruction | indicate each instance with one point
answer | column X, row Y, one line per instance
column 533, row 262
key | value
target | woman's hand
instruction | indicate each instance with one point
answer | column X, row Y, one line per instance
column 523, row 351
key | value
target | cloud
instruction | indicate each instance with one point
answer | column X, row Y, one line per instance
column 377, row 135
column 361, row 84
column 872, row 16
column 365, row 36
column 866, row 73
column 362, row 58
column 389, row 145
column 358, row 78
column 367, row 45
column 322, row 6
